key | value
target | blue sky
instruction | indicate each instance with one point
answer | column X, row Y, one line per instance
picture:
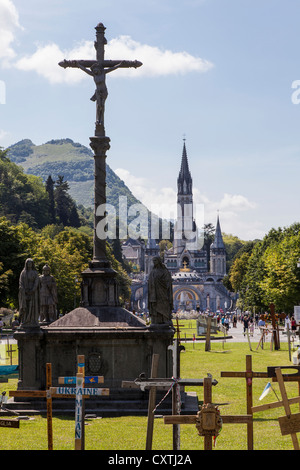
column 219, row 72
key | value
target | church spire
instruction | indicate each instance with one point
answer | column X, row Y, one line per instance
column 218, row 253
column 218, row 241
column 184, row 180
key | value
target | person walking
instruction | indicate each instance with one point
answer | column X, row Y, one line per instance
column 246, row 324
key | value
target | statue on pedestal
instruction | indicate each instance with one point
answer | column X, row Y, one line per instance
column 29, row 294
column 160, row 294
column 48, row 296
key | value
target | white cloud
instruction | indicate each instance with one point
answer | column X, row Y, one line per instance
column 9, row 23
column 159, row 201
column 235, row 202
column 156, row 62
column 45, row 62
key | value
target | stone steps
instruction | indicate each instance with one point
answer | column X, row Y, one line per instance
column 105, row 407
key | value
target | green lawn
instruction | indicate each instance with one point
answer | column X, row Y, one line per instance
column 129, row 433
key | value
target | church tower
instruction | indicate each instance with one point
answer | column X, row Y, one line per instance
column 185, row 226
column 218, row 253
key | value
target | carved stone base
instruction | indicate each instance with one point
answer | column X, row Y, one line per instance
column 99, row 287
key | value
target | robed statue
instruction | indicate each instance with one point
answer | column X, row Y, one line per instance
column 48, row 296
column 29, row 294
column 160, row 293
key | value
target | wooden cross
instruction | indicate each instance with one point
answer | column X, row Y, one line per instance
column 10, row 351
column 208, row 338
column 80, row 392
column 178, row 329
column 248, row 375
column 155, row 383
column 151, row 403
column 192, row 419
column 207, row 341
column 290, row 423
column 41, row 394
column 264, row 331
column 57, row 392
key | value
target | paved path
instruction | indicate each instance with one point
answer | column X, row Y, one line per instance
column 238, row 334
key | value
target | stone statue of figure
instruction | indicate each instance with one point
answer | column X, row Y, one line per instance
column 98, row 73
column 48, row 296
column 160, row 293
column 29, row 294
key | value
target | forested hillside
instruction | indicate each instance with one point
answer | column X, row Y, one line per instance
column 40, row 220
column 72, row 160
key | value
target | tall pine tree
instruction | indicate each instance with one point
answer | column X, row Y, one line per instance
column 50, row 191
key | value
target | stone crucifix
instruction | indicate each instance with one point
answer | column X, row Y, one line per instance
column 98, row 69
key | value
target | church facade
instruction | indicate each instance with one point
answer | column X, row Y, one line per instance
column 197, row 276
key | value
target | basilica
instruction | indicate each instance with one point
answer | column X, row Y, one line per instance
column 197, row 275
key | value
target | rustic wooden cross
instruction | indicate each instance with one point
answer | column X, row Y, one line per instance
column 208, row 337
column 178, row 329
column 151, row 403
column 248, row 375
column 290, row 423
column 170, row 383
column 264, row 331
column 41, row 394
column 53, row 392
column 192, row 419
column 80, row 391
column 10, row 351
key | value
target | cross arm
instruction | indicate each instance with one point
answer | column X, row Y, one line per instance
column 104, row 63
column 248, row 374
column 71, row 391
column 192, row 419
column 143, row 383
column 97, row 379
column 276, row 404
column 28, row 393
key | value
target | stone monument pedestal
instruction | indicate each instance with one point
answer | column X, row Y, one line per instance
column 115, row 343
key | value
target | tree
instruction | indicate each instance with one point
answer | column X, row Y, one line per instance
column 65, row 206
column 50, row 191
column 16, row 242
column 22, row 197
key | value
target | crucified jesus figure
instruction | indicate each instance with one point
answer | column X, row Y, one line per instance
column 98, row 69
column 98, row 73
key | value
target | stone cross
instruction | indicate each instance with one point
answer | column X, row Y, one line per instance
column 98, row 69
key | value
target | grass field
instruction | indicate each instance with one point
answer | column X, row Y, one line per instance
column 129, row 433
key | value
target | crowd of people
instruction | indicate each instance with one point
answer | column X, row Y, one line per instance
column 250, row 321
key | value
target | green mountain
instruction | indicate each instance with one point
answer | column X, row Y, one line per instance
column 72, row 160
